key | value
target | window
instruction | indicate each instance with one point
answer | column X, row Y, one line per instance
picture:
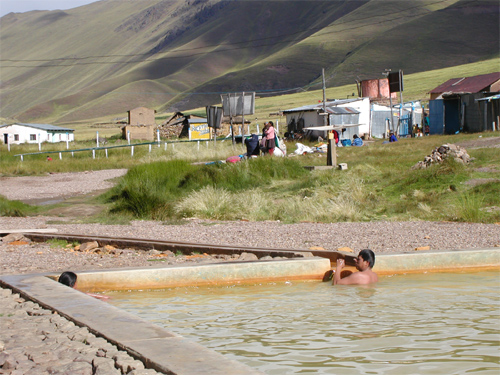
column 16, row 137
column 32, row 137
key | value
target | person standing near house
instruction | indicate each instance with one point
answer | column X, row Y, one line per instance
column 427, row 128
column 270, row 134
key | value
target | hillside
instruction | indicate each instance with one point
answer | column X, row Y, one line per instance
column 107, row 57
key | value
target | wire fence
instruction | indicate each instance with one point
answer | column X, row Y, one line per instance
column 132, row 147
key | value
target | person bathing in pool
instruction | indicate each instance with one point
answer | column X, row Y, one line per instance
column 68, row 278
column 364, row 263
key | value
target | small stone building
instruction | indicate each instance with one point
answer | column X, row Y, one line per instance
column 141, row 124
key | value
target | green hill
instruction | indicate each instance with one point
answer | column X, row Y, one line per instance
column 107, row 57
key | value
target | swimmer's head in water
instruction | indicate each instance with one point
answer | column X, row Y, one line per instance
column 68, row 278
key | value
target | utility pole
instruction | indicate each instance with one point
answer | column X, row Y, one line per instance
column 400, row 97
column 325, row 120
column 386, row 74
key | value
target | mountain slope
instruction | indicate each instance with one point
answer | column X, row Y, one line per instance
column 108, row 57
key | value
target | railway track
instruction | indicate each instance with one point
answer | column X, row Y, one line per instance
column 188, row 248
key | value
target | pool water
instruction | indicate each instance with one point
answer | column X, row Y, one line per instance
column 431, row 323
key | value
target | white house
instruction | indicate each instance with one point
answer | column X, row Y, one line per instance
column 35, row 133
column 339, row 112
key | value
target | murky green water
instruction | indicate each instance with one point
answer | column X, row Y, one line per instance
column 407, row 324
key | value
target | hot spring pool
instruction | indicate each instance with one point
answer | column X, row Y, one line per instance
column 447, row 323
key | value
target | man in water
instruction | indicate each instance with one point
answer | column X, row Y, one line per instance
column 364, row 263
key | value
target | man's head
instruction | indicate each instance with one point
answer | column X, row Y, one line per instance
column 68, row 278
column 365, row 255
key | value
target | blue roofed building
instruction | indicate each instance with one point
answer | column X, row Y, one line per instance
column 35, row 133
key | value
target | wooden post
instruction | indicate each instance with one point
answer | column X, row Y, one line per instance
column 331, row 158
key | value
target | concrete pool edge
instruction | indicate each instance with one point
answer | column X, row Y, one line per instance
column 438, row 261
column 156, row 347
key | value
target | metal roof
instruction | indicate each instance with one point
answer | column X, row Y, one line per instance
column 331, row 107
column 46, row 127
column 197, row 120
column 489, row 98
column 467, row 84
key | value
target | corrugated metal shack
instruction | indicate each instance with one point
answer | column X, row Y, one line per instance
column 456, row 105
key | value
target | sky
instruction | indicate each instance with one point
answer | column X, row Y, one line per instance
column 20, row 6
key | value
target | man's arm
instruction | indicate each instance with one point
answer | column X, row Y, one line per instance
column 338, row 271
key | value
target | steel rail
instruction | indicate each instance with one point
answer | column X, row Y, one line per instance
column 188, row 248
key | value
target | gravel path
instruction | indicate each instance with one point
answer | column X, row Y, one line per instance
column 31, row 189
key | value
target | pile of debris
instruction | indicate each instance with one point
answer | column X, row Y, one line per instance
column 439, row 154
column 170, row 131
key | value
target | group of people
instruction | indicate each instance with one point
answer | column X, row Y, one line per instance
column 266, row 145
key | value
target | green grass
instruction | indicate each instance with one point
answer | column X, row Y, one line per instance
column 11, row 165
column 15, row 208
column 379, row 184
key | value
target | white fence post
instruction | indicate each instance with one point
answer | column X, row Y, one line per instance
column 150, row 148
column 158, row 136
column 165, row 146
column 132, row 151
column 198, row 145
column 106, row 150
column 97, row 138
column 128, row 137
column 93, row 154
column 60, row 156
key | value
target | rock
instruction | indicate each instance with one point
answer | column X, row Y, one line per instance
column 105, row 366
column 248, row 257
column 13, row 237
column 422, row 248
column 168, row 253
column 7, row 361
column 316, row 248
column 88, row 246
column 346, row 249
column 304, row 254
column 267, row 257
